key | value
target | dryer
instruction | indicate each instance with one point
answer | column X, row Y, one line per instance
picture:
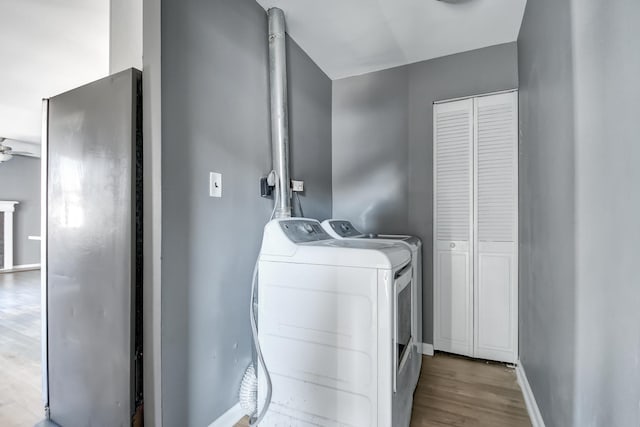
column 344, row 229
column 334, row 347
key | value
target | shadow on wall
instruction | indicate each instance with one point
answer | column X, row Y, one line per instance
column 375, row 192
column 369, row 143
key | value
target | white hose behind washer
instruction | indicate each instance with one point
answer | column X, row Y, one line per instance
column 257, row 418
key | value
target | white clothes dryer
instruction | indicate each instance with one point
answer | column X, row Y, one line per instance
column 344, row 229
column 336, row 351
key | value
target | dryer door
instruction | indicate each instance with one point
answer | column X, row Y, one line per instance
column 402, row 319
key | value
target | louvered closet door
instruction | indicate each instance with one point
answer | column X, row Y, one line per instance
column 496, row 204
column 453, row 231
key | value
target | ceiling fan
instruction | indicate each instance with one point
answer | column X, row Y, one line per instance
column 17, row 148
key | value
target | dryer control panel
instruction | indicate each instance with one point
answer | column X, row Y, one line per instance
column 344, row 228
column 302, row 230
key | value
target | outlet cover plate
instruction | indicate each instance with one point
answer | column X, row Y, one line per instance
column 297, row 186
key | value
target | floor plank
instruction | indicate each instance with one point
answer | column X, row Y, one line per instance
column 20, row 329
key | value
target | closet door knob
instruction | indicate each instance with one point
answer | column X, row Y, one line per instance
column 452, row 245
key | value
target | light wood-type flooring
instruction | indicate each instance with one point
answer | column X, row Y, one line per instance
column 461, row 392
column 20, row 329
column 457, row 391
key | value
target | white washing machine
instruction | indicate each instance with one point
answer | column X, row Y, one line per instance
column 343, row 229
column 334, row 329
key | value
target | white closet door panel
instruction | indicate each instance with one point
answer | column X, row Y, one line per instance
column 496, row 217
column 453, row 230
column 496, row 303
column 453, row 171
column 496, row 120
column 453, row 299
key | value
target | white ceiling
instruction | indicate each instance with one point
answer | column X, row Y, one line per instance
column 351, row 37
column 47, row 47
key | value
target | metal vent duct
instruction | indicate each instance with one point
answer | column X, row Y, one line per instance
column 279, row 109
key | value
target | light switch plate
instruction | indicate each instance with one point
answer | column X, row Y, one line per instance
column 215, row 184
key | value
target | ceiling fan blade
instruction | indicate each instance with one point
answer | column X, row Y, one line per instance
column 20, row 148
column 22, row 153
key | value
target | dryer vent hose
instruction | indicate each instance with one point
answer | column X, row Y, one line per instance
column 249, row 387
column 254, row 330
column 249, row 391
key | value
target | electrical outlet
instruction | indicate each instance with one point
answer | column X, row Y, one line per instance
column 265, row 189
column 215, row 184
column 297, row 186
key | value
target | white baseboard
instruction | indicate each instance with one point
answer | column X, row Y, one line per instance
column 229, row 418
column 23, row 267
column 427, row 349
column 529, row 398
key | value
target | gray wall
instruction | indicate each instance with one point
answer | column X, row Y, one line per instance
column 20, row 181
column 310, row 132
column 370, row 149
column 383, row 142
column 547, row 208
column 215, row 117
column 579, row 203
column 607, row 112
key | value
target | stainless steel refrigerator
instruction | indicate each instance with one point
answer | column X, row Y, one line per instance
column 93, row 289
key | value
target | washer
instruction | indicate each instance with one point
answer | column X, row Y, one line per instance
column 344, row 229
column 335, row 350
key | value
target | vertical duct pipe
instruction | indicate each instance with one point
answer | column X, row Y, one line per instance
column 279, row 109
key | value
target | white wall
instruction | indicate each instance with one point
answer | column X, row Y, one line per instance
column 125, row 35
column 51, row 47
column 47, row 48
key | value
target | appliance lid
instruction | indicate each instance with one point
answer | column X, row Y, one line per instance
column 342, row 228
column 304, row 240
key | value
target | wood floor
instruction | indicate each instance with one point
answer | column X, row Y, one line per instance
column 460, row 392
column 456, row 391
column 20, row 378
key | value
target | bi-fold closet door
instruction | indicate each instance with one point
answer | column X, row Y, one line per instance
column 475, row 226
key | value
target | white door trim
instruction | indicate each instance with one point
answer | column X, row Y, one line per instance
column 44, row 188
column 8, row 207
column 498, row 92
column 152, row 221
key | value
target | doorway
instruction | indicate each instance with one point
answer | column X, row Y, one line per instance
column 21, row 401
